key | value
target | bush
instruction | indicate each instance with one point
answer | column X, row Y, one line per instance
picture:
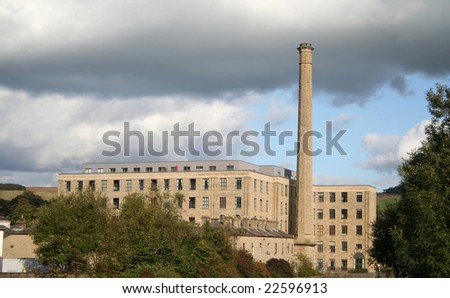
column 279, row 268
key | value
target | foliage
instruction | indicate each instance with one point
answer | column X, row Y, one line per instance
column 419, row 231
column 11, row 186
column 22, row 207
column 279, row 268
column 79, row 233
column 304, row 267
column 383, row 247
column 396, row 190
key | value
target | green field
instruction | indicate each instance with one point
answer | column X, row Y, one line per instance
column 385, row 199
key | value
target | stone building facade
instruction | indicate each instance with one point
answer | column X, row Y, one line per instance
column 258, row 202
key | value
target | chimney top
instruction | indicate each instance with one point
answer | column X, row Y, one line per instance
column 305, row 46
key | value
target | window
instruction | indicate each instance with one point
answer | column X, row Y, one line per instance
column 319, row 196
column 344, row 214
column 344, row 229
column 359, row 261
column 267, row 206
column 212, row 168
column 179, row 184
column 285, row 208
column 191, row 203
column 230, row 168
column 332, row 229
column 260, row 186
column 344, row 197
column 359, row 230
column 286, row 190
column 319, row 245
column 112, row 170
column 80, row 185
column 154, row 184
column 186, row 169
column 359, row 197
column 254, row 184
column 192, row 184
column 92, row 184
column 116, row 203
column 255, row 204
column 166, row 184
column 205, row 183
column 205, row 203
column 332, row 246
column 344, row 246
column 260, row 248
column 192, row 219
column 88, row 170
column 332, row 264
column 359, row 214
column 162, row 169
column 238, row 183
column 100, row 170
column 358, row 246
column 199, row 168
column 260, row 205
column 124, row 170
column 238, row 202
column 68, row 186
column 319, row 214
column 281, row 208
column 319, row 264
column 344, row 264
column 268, row 249
column 174, row 169
column 267, row 187
column 332, row 197
column 141, row 184
column 149, row 169
column 223, row 183
column 332, row 213
column 223, row 202
column 253, row 249
column 136, row 170
column 104, row 185
column 128, row 185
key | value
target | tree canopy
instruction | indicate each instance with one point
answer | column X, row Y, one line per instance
column 81, row 234
column 414, row 238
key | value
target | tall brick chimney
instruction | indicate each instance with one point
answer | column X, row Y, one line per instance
column 304, row 240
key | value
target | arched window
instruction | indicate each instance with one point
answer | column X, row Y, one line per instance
column 359, row 261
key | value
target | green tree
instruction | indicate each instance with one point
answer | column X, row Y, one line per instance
column 304, row 267
column 159, row 240
column 383, row 246
column 24, row 206
column 81, row 234
column 279, row 268
column 420, row 230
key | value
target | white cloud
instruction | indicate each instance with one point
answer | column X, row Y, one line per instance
column 385, row 152
column 52, row 133
column 412, row 140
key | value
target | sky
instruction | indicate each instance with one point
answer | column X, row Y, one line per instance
column 74, row 75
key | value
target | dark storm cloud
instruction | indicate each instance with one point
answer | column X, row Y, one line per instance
column 217, row 51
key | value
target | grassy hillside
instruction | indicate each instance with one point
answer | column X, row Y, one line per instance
column 384, row 199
